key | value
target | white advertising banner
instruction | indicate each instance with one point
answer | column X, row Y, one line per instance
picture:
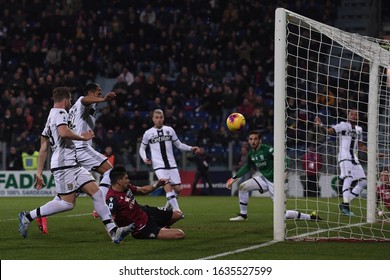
column 21, row 183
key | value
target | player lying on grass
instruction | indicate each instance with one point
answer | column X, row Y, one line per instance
column 261, row 157
column 150, row 222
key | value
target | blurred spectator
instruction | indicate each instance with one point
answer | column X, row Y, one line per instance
column 14, row 159
column 257, row 121
column 246, row 108
column 125, row 77
column 205, row 135
column 181, row 125
column 19, row 123
column 30, row 157
column 222, row 137
column 109, row 153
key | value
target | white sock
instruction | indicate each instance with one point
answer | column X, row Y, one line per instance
column 346, row 192
column 243, row 198
column 104, row 191
column 105, row 181
column 172, row 200
column 102, row 210
column 57, row 205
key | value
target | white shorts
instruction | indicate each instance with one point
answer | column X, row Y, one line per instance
column 89, row 158
column 258, row 183
column 171, row 174
column 348, row 169
column 71, row 179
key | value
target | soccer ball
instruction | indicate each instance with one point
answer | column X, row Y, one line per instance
column 235, row 122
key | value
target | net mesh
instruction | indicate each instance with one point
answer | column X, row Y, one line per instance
column 328, row 73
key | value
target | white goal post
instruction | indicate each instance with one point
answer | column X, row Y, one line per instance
column 321, row 71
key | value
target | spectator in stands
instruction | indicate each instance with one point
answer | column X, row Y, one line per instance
column 228, row 100
column 30, row 157
column 181, row 125
column 222, row 137
column 14, row 160
column 246, row 108
column 205, row 135
column 125, row 77
column 257, row 121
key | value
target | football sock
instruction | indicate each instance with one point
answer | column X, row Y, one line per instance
column 346, row 192
column 102, row 210
column 57, row 205
column 243, row 199
column 105, row 181
column 172, row 200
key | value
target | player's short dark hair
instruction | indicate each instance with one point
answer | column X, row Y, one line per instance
column 61, row 93
column 116, row 173
column 91, row 87
column 255, row 132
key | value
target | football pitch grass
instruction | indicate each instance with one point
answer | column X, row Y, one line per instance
column 76, row 235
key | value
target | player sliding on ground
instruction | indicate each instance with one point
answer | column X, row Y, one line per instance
column 149, row 222
column 261, row 157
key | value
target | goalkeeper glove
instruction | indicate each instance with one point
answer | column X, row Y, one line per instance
column 230, row 182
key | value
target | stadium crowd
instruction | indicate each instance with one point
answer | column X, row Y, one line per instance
column 196, row 60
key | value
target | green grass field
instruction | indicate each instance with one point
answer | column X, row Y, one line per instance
column 75, row 235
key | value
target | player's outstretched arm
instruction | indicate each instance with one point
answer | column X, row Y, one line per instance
column 89, row 99
column 318, row 123
column 149, row 188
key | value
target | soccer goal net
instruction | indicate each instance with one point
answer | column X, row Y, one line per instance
column 322, row 72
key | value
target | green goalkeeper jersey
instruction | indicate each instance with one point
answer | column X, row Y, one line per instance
column 262, row 159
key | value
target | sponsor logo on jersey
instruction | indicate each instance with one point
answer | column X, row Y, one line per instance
column 162, row 138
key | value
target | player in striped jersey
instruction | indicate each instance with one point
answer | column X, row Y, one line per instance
column 69, row 176
column 161, row 138
column 261, row 157
column 82, row 116
column 350, row 135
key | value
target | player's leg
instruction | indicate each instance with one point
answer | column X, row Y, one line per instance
column 358, row 173
column 172, row 192
column 90, row 188
column 296, row 215
column 258, row 183
column 346, row 175
column 173, row 188
column 170, row 233
column 64, row 201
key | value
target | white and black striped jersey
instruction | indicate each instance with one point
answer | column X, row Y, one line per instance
column 160, row 142
column 64, row 150
column 348, row 139
column 81, row 119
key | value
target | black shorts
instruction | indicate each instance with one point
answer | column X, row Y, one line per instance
column 158, row 218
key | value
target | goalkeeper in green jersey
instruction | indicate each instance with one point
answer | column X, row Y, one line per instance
column 261, row 157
